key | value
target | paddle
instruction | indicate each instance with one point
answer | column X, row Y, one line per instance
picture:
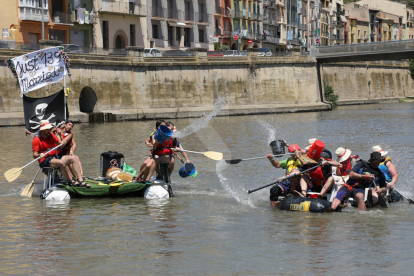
column 210, row 154
column 182, row 161
column 14, row 173
column 28, row 190
column 237, row 161
column 409, row 200
column 283, row 178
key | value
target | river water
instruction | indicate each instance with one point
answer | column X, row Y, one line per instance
column 212, row 227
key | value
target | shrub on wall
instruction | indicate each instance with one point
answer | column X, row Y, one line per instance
column 411, row 68
column 225, row 47
column 217, row 46
column 330, row 95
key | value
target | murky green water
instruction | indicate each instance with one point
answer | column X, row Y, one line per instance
column 211, row 227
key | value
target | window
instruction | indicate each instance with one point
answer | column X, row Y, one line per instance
column 201, row 35
column 155, row 31
column 132, row 35
column 105, row 34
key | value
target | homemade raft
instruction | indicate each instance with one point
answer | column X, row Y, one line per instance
column 101, row 189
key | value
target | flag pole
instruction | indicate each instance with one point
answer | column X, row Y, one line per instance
column 64, row 95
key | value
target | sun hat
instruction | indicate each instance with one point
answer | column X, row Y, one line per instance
column 293, row 148
column 379, row 149
column 342, row 154
column 310, row 142
column 374, row 156
column 45, row 124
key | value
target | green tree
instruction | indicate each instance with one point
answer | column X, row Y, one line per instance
column 411, row 68
column 330, row 95
column 217, row 46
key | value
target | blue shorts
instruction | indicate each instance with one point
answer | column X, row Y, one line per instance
column 285, row 185
column 46, row 162
column 344, row 193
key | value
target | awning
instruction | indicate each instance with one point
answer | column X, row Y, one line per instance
column 179, row 24
column 343, row 18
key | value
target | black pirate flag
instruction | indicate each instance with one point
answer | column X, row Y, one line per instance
column 47, row 108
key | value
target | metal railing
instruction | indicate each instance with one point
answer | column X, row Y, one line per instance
column 224, row 11
column 123, row 7
column 59, row 17
column 257, row 17
column 189, row 16
column 228, row 33
column 174, row 14
column 203, row 17
column 158, row 12
column 238, row 14
column 364, row 48
column 271, row 39
column 280, row 19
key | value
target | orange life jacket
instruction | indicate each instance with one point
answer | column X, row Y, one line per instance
column 164, row 148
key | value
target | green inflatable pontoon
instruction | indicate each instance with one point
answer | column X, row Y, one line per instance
column 102, row 189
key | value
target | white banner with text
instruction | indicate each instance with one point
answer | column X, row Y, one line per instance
column 38, row 69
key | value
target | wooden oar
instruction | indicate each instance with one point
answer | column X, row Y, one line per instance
column 28, row 190
column 237, row 161
column 14, row 173
column 210, row 154
column 182, row 161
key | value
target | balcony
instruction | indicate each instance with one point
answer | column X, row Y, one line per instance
column 280, row 20
column 122, row 8
column 59, row 17
column 224, row 11
column 340, row 12
column 174, row 14
column 257, row 17
column 158, row 12
column 188, row 16
column 271, row 39
column 203, row 17
column 304, row 13
column 33, row 15
column 339, row 24
column 237, row 14
column 325, row 34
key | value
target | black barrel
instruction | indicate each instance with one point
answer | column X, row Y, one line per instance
column 111, row 159
column 305, row 204
column 278, row 147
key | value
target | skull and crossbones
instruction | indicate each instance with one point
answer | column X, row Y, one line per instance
column 40, row 113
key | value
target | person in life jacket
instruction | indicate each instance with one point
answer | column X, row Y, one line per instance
column 362, row 176
column 387, row 167
column 347, row 160
column 149, row 162
column 322, row 178
column 177, row 148
column 45, row 141
column 291, row 165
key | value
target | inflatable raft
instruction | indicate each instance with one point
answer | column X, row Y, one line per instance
column 306, row 204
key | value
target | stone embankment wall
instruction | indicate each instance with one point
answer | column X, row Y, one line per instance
column 136, row 88
column 369, row 82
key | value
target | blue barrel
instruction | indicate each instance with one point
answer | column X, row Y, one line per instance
column 162, row 134
column 188, row 169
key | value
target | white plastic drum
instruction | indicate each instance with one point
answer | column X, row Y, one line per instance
column 58, row 195
column 156, row 191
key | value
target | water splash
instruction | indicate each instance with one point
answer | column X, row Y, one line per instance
column 232, row 184
column 200, row 123
column 269, row 128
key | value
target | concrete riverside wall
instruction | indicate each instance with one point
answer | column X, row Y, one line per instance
column 163, row 88
column 369, row 82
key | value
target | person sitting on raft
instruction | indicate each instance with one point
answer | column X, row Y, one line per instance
column 70, row 147
column 291, row 165
column 347, row 161
column 176, row 147
column 362, row 176
column 46, row 140
column 142, row 177
column 322, row 176
column 387, row 167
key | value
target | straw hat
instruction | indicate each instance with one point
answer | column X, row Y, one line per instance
column 126, row 176
column 310, row 142
column 45, row 124
column 379, row 149
column 342, row 154
column 113, row 172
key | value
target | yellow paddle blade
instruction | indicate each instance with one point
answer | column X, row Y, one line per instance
column 213, row 155
column 28, row 190
column 13, row 174
column 115, row 184
column 102, row 184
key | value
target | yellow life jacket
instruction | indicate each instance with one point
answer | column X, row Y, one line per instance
column 291, row 165
column 386, row 160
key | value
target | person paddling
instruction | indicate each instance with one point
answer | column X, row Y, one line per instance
column 362, row 176
column 387, row 167
column 46, row 140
